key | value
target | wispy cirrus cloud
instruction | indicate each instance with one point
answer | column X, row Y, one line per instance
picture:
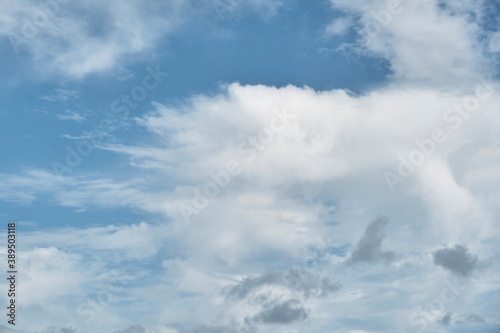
column 84, row 37
column 72, row 115
column 61, row 95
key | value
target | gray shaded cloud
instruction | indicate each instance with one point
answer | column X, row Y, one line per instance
column 369, row 247
column 216, row 329
column 133, row 329
column 471, row 318
column 246, row 286
column 296, row 280
column 280, row 307
column 457, row 260
column 454, row 319
column 282, row 313
column 446, row 319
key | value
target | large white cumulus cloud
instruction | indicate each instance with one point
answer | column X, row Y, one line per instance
column 348, row 142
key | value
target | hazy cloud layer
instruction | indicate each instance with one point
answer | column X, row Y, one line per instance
column 282, row 313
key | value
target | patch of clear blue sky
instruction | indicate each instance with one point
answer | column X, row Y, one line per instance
column 286, row 49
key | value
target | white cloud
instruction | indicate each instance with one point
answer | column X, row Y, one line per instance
column 82, row 37
column 77, row 38
column 61, row 95
column 424, row 42
column 334, row 136
column 339, row 26
column 72, row 115
column 49, row 273
column 326, row 165
column 336, row 150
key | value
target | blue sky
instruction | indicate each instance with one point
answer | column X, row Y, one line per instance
column 252, row 166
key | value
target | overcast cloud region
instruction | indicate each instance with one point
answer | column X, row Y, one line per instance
column 253, row 166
